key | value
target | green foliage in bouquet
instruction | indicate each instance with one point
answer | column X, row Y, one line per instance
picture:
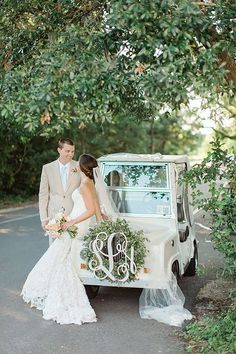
column 134, row 238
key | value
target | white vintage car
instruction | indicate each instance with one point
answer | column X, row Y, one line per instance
column 147, row 191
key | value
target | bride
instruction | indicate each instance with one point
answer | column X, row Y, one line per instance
column 53, row 285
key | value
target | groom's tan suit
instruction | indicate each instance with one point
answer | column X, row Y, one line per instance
column 52, row 197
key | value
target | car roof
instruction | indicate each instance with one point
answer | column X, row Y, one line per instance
column 128, row 157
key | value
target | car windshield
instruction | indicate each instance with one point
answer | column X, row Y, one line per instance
column 136, row 176
column 139, row 189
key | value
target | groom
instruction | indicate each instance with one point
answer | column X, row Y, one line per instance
column 58, row 180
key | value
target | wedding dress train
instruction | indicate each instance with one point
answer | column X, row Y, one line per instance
column 53, row 285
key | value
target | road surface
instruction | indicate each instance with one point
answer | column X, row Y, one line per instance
column 119, row 329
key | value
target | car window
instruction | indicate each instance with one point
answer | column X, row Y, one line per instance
column 139, row 189
column 140, row 202
column 140, row 176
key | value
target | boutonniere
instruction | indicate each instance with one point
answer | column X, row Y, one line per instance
column 74, row 170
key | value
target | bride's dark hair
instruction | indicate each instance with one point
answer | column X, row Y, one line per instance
column 87, row 163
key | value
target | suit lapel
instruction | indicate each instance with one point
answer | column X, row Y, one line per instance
column 70, row 174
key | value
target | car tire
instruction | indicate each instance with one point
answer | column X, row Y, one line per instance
column 92, row 291
column 192, row 267
column 175, row 270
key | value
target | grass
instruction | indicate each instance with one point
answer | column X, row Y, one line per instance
column 12, row 201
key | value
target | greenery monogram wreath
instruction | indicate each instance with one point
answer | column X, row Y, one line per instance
column 135, row 244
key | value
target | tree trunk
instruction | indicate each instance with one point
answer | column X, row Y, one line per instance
column 152, row 144
column 230, row 66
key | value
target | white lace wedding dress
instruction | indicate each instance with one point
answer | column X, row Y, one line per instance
column 53, row 285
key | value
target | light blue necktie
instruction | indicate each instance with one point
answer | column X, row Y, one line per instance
column 64, row 177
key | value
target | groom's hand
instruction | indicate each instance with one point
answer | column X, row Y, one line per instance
column 43, row 224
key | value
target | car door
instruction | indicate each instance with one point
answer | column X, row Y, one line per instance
column 183, row 215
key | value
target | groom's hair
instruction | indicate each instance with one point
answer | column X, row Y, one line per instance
column 63, row 141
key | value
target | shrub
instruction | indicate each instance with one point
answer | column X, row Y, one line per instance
column 218, row 171
column 213, row 335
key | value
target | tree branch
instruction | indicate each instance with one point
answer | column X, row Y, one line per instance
column 21, row 161
column 230, row 66
column 225, row 135
column 223, row 57
column 201, row 3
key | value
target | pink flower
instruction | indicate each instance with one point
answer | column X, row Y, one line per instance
column 52, row 227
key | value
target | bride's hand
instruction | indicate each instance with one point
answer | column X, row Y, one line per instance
column 66, row 225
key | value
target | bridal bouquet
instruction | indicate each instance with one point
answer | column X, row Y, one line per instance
column 54, row 226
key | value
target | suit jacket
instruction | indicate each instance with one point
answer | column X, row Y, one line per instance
column 52, row 197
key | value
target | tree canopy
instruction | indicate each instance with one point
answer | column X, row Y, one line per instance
column 68, row 61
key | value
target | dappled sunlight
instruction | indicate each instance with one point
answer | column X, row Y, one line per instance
column 21, row 313
column 18, row 232
column 11, row 291
column 16, row 314
column 9, row 312
column 25, row 231
column 6, row 231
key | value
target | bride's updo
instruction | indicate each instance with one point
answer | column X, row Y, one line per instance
column 87, row 163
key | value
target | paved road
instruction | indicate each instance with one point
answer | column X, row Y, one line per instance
column 119, row 329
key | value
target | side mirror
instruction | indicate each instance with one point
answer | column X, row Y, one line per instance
column 183, row 235
column 180, row 212
column 179, row 199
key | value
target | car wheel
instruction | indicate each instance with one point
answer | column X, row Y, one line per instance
column 175, row 269
column 192, row 267
column 92, row 291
